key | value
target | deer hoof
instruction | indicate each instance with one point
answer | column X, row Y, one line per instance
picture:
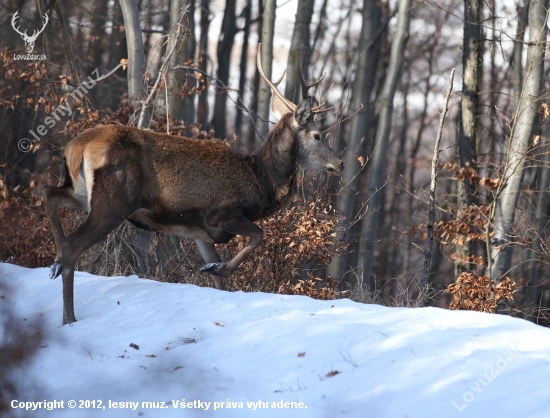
column 213, row 268
column 55, row 270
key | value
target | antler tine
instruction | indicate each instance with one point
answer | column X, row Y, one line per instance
column 305, row 85
column 14, row 22
column 273, row 86
column 276, row 84
column 38, row 32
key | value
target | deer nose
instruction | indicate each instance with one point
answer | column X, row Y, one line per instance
column 342, row 165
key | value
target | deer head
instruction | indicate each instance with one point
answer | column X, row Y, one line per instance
column 29, row 40
column 312, row 150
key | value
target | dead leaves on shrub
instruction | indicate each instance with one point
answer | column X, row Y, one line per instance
column 479, row 293
column 298, row 235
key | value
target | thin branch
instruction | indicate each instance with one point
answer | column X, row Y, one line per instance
column 426, row 281
column 239, row 102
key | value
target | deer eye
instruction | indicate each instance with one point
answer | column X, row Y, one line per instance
column 317, row 137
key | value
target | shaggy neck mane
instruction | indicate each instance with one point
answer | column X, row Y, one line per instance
column 278, row 152
column 274, row 165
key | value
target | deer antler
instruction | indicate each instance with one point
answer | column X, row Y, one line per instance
column 272, row 85
column 35, row 35
column 13, row 23
column 24, row 34
column 306, row 86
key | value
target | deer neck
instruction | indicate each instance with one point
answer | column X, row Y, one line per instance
column 277, row 159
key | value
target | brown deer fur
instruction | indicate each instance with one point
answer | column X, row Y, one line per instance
column 199, row 189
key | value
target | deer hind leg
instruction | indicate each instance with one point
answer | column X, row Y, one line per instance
column 238, row 225
column 210, row 256
column 55, row 198
column 93, row 229
column 108, row 209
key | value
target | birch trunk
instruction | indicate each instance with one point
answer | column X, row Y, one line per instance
column 508, row 193
column 517, row 53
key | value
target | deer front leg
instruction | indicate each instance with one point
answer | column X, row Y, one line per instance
column 211, row 257
column 238, row 225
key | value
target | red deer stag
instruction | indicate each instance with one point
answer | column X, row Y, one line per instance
column 198, row 189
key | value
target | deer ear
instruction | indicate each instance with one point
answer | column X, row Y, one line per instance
column 303, row 113
column 278, row 107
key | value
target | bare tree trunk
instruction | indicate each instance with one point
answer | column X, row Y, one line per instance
column 321, row 26
column 73, row 62
column 469, row 121
column 246, row 14
column 136, row 92
column 300, row 36
column 136, row 57
column 202, row 111
column 117, row 51
column 517, row 53
column 181, row 104
column 540, row 219
column 396, row 207
column 225, row 45
column 360, row 102
column 252, row 138
column 264, row 93
column 492, row 84
column 509, row 190
column 96, row 46
column 97, row 33
column 367, row 245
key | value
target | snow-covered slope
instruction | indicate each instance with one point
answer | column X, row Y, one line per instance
column 231, row 351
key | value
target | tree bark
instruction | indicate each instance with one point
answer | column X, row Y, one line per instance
column 367, row 245
column 517, row 53
column 360, row 102
column 117, row 51
column 65, row 28
column 202, row 110
column 264, row 92
column 472, row 58
column 225, row 45
column 510, row 183
column 136, row 92
column 540, row 220
column 300, row 36
column 181, row 103
column 246, row 14
column 136, row 57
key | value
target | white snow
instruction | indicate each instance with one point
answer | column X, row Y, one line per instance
column 213, row 346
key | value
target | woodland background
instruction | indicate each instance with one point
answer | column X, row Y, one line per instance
column 387, row 63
